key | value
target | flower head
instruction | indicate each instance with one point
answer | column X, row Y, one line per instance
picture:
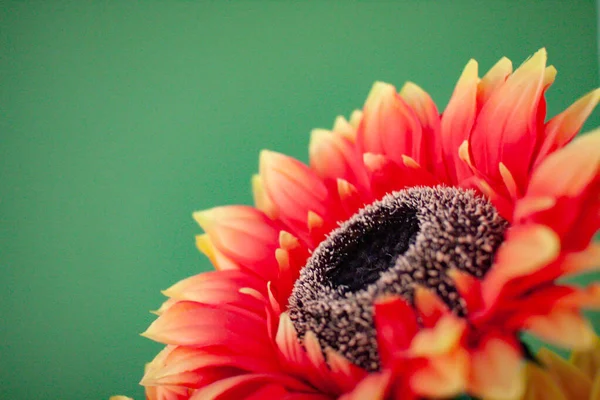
column 405, row 261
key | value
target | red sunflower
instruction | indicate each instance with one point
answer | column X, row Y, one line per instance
column 405, row 261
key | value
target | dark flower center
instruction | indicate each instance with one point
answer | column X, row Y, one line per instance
column 409, row 237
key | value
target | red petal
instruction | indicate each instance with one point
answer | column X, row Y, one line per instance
column 396, row 325
column 571, row 176
column 430, row 307
column 217, row 287
column 334, row 157
column 244, row 235
column 562, row 128
column 430, row 153
column 237, row 387
column 457, row 122
column 493, row 80
column 506, row 130
column 389, row 126
column 294, row 189
column 374, row 387
column 195, row 324
column 496, row 369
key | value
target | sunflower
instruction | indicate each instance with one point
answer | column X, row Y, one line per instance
column 405, row 261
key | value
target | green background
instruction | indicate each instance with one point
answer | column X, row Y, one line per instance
column 118, row 119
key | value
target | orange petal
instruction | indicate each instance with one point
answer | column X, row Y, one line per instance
column 563, row 327
column 373, row 387
column 219, row 260
column 240, row 386
column 430, row 154
column 526, row 250
column 343, row 371
column 440, row 339
column 458, row 119
column 293, row 187
column 469, row 289
column 506, row 130
column 587, row 260
column 332, row 156
column 431, row 308
column 194, row 324
column 442, row 377
column 496, row 370
column 181, row 366
column 493, row 79
column 218, row 287
column 563, row 127
column 389, row 126
column 261, row 198
column 345, row 128
column 569, row 171
column 243, row 234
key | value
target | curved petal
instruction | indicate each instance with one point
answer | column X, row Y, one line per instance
column 295, row 190
column 506, row 130
column 496, row 370
column 194, row 324
column 334, row 157
column 457, row 121
column 242, row 234
column 562, row 128
column 389, row 126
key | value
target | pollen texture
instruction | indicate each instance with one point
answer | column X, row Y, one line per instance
column 411, row 237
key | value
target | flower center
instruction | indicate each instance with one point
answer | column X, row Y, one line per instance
column 412, row 237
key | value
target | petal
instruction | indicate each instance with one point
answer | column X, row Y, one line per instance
column 195, row 324
column 387, row 176
column 442, row 377
column 167, row 393
column 396, row 325
column 244, row 235
column 563, row 127
column 496, row 370
column 588, row 361
column 441, row 339
column 431, row 308
column 294, row 189
column 309, row 364
column 563, row 327
column 219, row 260
column 346, row 374
column 389, row 126
column 373, row 387
column 430, row 154
column 217, row 287
column 457, row 121
column 492, row 80
column 525, row 250
column 183, row 366
column 571, row 176
column 262, row 201
column 333, row 156
column 469, row 289
column 540, row 385
column 236, row 387
column 569, row 171
column 506, row 130
column 574, row 383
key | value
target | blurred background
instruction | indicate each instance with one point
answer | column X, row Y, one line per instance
column 119, row 119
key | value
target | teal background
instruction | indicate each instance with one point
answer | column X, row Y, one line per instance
column 118, row 119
